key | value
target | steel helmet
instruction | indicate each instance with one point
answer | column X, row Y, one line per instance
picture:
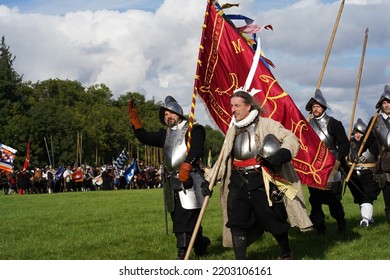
column 170, row 104
column 318, row 98
column 385, row 95
column 360, row 126
column 271, row 145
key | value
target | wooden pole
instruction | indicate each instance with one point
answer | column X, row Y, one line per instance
column 362, row 145
column 204, row 205
column 52, row 151
column 358, row 84
column 329, row 49
column 47, row 150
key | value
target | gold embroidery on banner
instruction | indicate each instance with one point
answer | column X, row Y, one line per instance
column 237, row 46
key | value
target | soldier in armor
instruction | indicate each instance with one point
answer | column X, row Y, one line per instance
column 362, row 184
column 381, row 132
column 247, row 199
column 332, row 134
column 183, row 176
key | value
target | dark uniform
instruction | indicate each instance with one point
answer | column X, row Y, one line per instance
column 332, row 134
column 362, row 185
column 381, row 132
column 183, row 199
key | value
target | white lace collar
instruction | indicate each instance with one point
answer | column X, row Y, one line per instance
column 246, row 121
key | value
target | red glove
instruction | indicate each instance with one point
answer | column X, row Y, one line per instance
column 184, row 173
column 134, row 118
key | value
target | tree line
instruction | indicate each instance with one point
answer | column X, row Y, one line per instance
column 62, row 119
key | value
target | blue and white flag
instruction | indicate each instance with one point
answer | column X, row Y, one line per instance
column 131, row 171
column 7, row 157
column 59, row 173
column 120, row 161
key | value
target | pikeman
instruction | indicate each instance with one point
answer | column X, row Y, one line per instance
column 381, row 132
column 183, row 176
column 332, row 134
column 362, row 184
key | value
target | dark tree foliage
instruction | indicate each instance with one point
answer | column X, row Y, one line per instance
column 61, row 117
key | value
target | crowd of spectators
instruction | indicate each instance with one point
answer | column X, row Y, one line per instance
column 76, row 179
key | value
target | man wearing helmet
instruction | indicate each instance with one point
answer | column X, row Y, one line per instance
column 332, row 134
column 381, row 131
column 182, row 193
column 362, row 185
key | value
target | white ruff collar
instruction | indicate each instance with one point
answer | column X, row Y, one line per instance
column 248, row 120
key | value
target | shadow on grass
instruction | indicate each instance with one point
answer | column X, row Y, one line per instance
column 305, row 246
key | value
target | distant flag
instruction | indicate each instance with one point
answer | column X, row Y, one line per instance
column 27, row 160
column 7, row 158
column 59, row 173
column 131, row 171
column 225, row 58
column 120, row 161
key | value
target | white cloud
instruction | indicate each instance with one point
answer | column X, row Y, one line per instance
column 154, row 50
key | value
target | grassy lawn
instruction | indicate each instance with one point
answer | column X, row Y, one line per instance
column 130, row 225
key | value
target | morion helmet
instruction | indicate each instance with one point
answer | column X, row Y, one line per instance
column 360, row 126
column 271, row 145
column 385, row 95
column 318, row 98
column 170, row 104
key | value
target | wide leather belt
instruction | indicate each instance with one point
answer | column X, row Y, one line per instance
column 247, row 168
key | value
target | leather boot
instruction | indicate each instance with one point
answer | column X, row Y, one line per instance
column 181, row 253
column 182, row 242
column 239, row 246
column 201, row 244
column 387, row 211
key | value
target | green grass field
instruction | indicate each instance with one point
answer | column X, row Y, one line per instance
column 130, row 225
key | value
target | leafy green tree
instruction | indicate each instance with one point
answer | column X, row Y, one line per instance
column 9, row 82
column 61, row 119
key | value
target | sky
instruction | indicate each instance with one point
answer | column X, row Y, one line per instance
column 151, row 47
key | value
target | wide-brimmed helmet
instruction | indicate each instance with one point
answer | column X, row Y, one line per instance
column 170, row 104
column 385, row 96
column 319, row 99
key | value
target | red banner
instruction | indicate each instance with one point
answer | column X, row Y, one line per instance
column 224, row 62
column 27, row 160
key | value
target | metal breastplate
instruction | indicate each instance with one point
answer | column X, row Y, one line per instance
column 365, row 157
column 175, row 148
column 320, row 126
column 382, row 132
column 244, row 143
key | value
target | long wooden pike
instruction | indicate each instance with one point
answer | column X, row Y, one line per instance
column 362, row 145
column 329, row 49
column 358, row 84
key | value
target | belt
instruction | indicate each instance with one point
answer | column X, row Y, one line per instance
column 250, row 168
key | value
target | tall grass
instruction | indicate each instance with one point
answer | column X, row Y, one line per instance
column 130, row 225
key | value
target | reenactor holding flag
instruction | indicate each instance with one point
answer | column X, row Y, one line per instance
column 182, row 192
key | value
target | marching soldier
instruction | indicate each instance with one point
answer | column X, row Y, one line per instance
column 381, row 132
column 252, row 204
column 183, row 176
column 362, row 184
column 332, row 134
